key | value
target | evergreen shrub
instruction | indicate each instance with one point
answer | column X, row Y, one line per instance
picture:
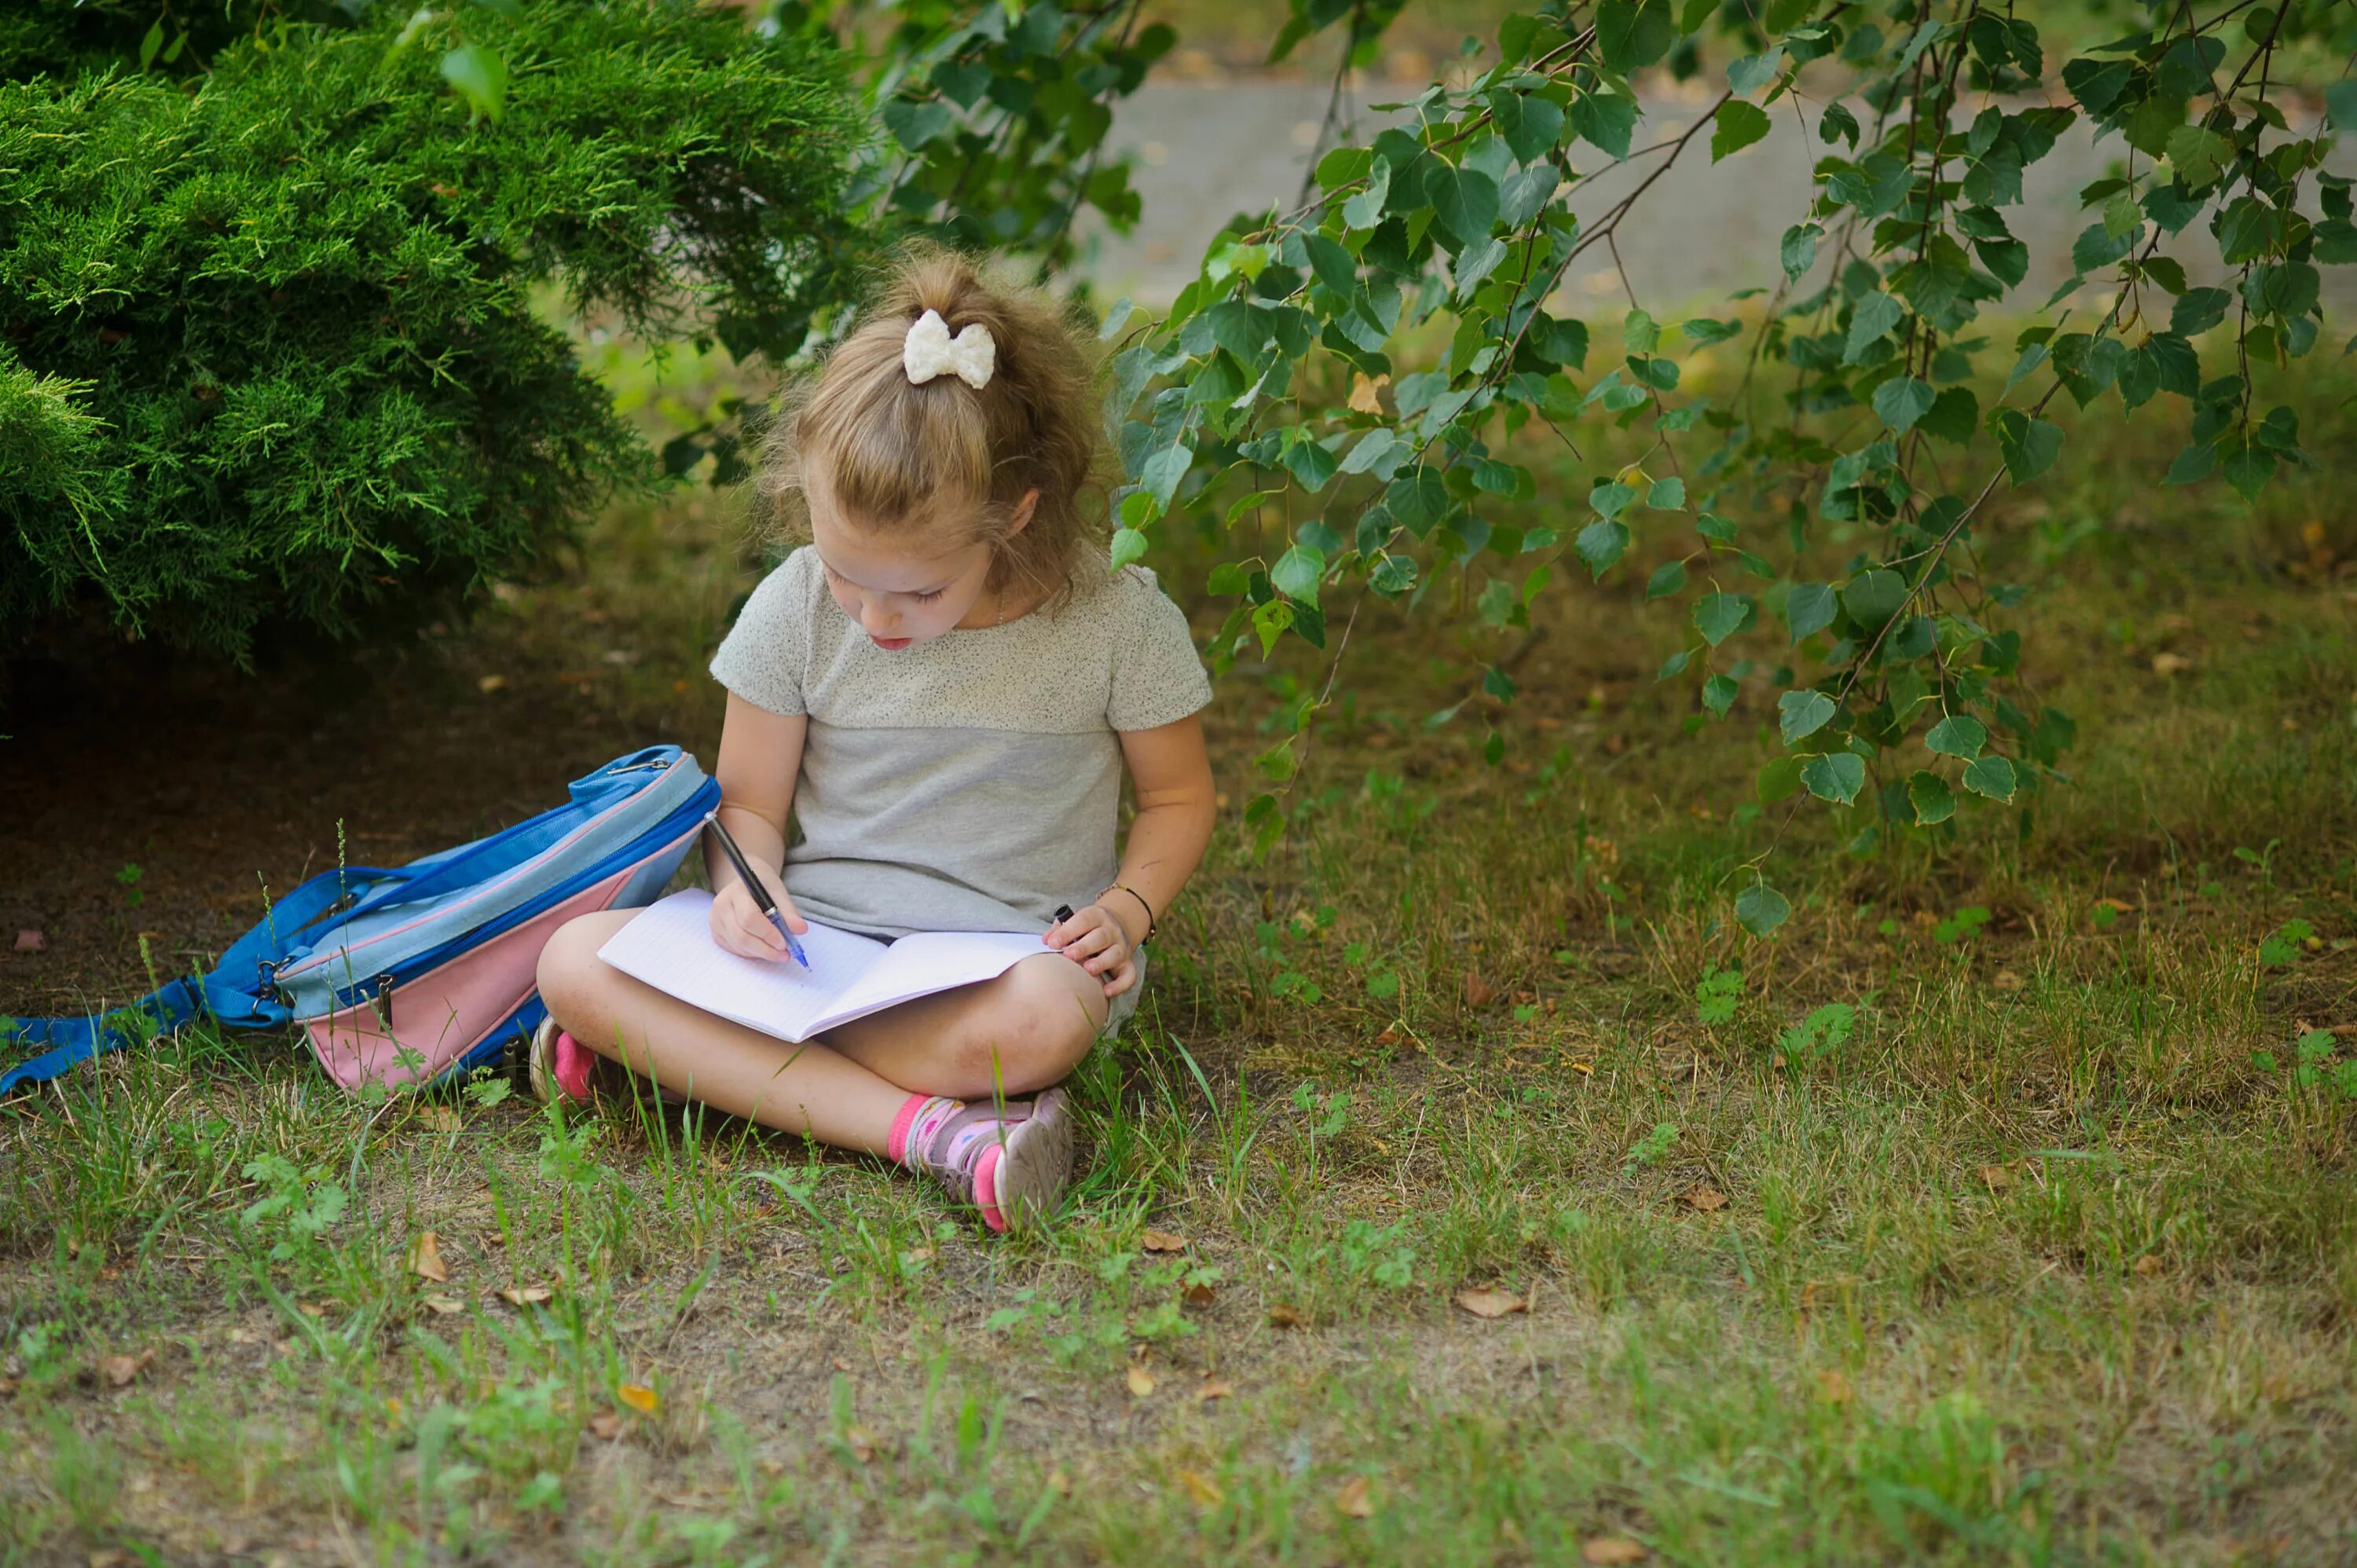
column 269, row 355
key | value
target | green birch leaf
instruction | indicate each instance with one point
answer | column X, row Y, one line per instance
column 915, row 124
column 1932, row 798
column 1803, row 714
column 1871, row 321
column 1601, row 544
column 1464, row 199
column 1605, row 120
column 1719, row 615
column 1873, row 597
column 2029, row 447
column 1668, row 578
column 1900, row 401
column 1838, row 777
column 1296, row 573
column 1798, row 250
column 1779, row 779
column 1332, row 265
column 1633, row 33
column 1760, row 910
column 1992, row 776
column 1958, row 734
column 1738, row 125
column 1163, row 470
column 1809, row 607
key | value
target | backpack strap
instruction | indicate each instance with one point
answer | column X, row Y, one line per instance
column 241, row 991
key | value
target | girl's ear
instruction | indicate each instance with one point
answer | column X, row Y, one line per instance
column 1023, row 511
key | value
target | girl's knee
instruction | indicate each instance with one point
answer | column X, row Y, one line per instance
column 1040, row 1023
column 570, row 970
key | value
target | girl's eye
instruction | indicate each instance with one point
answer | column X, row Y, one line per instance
column 927, row 597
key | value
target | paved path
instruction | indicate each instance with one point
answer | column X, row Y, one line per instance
column 1203, row 150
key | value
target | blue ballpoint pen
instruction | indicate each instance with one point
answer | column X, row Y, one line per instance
column 761, row 889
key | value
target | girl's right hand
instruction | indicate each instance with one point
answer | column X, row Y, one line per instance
column 739, row 926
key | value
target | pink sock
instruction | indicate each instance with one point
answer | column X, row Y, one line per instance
column 921, row 1116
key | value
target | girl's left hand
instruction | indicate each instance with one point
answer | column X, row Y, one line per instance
column 1095, row 939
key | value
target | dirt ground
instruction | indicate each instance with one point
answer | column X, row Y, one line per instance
column 216, row 786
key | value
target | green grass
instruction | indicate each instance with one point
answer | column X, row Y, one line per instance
column 2026, row 1256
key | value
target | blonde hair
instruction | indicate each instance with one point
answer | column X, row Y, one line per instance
column 904, row 458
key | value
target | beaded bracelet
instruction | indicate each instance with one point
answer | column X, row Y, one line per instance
column 1126, row 887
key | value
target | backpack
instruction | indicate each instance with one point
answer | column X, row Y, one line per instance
column 402, row 976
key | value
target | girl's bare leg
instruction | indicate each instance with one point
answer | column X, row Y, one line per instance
column 1019, row 1033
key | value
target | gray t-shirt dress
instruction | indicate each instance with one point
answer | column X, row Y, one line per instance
column 971, row 783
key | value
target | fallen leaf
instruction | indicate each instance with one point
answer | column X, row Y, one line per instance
column 525, row 1295
column 2118, row 905
column 2170, row 664
column 1488, row 1302
column 639, row 1397
column 2149, row 1264
column 1202, row 1488
column 445, row 1305
column 1283, row 1317
column 1164, row 1241
column 1200, row 1296
column 1215, row 1389
column 442, row 1117
column 1703, row 1198
column 1479, row 993
column 30, row 940
column 1833, row 1387
column 1996, row 1178
column 118, row 1371
column 1364, row 393
column 862, row 1443
column 490, row 683
column 426, row 1258
column 1606, row 1550
column 1351, row 1498
column 312, row 1308
column 1141, row 1381
column 2007, row 981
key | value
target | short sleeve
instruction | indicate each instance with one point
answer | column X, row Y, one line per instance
column 763, row 657
column 1157, row 678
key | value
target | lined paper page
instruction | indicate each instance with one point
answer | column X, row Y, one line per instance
column 926, row 961
column 670, row 947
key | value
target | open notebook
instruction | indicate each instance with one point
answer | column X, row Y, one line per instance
column 670, row 947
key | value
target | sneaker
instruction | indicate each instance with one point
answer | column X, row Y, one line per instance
column 558, row 1065
column 1011, row 1162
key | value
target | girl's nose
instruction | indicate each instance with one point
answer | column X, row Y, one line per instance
column 876, row 619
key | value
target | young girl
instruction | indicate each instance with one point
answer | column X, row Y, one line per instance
column 943, row 687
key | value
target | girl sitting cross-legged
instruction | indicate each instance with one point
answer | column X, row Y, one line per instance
column 942, row 688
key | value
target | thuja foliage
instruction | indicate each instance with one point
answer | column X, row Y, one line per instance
column 268, row 349
column 1278, row 375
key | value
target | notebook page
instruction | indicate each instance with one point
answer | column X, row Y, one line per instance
column 926, row 961
column 670, row 947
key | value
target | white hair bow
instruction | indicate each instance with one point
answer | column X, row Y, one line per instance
column 929, row 351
